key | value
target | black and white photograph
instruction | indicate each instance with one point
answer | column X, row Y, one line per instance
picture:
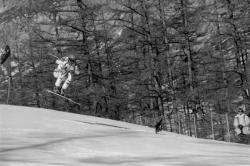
column 124, row 82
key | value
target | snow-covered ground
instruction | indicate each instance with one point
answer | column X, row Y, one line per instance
column 33, row 137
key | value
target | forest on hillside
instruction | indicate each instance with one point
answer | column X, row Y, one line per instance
column 186, row 61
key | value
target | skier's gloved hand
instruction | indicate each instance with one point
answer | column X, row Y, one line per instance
column 240, row 127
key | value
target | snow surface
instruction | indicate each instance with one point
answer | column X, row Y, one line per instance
column 34, row 137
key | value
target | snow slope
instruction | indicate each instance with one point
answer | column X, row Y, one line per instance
column 34, row 137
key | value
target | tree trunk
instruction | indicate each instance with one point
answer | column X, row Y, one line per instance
column 224, row 77
column 211, row 121
column 188, row 52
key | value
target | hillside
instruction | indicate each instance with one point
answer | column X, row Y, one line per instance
column 32, row 136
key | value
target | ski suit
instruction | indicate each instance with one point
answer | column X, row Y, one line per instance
column 64, row 72
column 4, row 54
column 4, row 57
column 241, row 123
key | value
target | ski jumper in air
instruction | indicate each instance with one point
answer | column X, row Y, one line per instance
column 4, row 54
column 64, row 73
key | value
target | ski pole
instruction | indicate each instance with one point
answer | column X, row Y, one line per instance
column 54, row 56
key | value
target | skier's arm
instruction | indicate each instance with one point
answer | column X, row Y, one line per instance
column 1, row 51
column 247, row 120
column 59, row 61
column 77, row 72
column 236, row 122
column 62, row 60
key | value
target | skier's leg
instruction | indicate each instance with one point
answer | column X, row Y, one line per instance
column 66, row 83
column 58, row 84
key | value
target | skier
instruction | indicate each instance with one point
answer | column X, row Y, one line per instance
column 64, row 73
column 159, row 126
column 241, row 122
column 4, row 54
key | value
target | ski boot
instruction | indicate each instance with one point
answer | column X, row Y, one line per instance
column 57, row 89
column 62, row 92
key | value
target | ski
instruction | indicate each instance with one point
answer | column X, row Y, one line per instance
column 69, row 99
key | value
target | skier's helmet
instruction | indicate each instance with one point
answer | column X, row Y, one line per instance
column 72, row 58
column 240, row 110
